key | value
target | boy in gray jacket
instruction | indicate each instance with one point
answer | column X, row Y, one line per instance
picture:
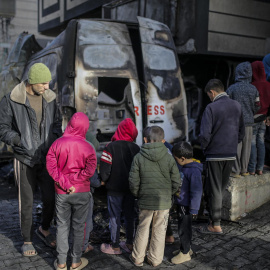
column 153, row 179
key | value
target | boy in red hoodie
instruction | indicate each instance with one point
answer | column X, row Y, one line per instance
column 71, row 161
column 115, row 164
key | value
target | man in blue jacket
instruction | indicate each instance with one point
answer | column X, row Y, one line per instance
column 222, row 128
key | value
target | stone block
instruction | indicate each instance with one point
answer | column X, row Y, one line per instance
column 244, row 195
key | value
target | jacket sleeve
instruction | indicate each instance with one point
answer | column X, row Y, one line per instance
column 57, row 122
column 175, row 177
column 195, row 192
column 7, row 134
column 206, row 128
column 52, row 168
column 134, row 177
column 90, row 166
column 105, row 164
column 241, row 133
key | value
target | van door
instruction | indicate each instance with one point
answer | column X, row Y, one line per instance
column 165, row 93
column 106, row 81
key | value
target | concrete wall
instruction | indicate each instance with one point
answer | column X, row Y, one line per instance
column 245, row 194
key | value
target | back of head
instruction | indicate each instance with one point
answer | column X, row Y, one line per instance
column 39, row 73
column 214, row 84
column 243, row 72
column 77, row 125
column 258, row 72
column 182, row 149
column 126, row 131
column 154, row 134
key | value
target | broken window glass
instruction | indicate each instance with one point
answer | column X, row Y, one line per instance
column 111, row 90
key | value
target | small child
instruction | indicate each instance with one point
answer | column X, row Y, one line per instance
column 115, row 164
column 71, row 161
column 153, row 179
column 189, row 199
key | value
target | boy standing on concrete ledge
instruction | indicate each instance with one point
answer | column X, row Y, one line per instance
column 153, row 179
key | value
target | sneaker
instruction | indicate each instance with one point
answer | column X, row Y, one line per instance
column 245, row 174
column 259, row 172
column 134, row 261
column 127, row 247
column 176, row 252
column 151, row 263
column 181, row 258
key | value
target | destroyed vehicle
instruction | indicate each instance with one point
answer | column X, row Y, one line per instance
column 110, row 71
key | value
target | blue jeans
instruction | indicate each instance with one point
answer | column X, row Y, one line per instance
column 257, row 154
column 117, row 205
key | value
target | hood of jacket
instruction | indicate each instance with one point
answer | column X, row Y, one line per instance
column 243, row 72
column 154, row 151
column 258, row 72
column 18, row 94
column 77, row 125
column 194, row 165
column 126, row 131
column 266, row 63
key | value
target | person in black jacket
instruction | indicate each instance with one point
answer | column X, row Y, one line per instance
column 30, row 121
column 222, row 128
column 115, row 164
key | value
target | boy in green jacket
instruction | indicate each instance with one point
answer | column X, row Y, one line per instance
column 153, row 179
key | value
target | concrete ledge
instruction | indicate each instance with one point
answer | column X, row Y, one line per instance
column 245, row 194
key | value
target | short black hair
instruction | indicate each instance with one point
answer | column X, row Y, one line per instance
column 182, row 149
column 214, row 84
column 153, row 134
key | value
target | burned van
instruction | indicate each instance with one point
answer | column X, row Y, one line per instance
column 113, row 70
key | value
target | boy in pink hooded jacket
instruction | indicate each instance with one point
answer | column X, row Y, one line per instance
column 71, row 161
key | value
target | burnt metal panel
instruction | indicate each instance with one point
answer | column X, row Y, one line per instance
column 165, row 94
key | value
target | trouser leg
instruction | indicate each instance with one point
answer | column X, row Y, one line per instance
column 142, row 235
column 63, row 216
column 47, row 189
column 253, row 152
column 184, row 228
column 157, row 242
column 246, row 147
column 79, row 205
column 237, row 163
column 261, row 146
column 129, row 215
column 214, row 184
column 89, row 223
column 115, row 210
column 26, row 180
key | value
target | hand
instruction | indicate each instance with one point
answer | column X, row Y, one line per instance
column 71, row 190
column 102, row 183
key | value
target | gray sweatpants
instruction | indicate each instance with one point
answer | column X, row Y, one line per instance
column 71, row 211
column 89, row 223
column 243, row 152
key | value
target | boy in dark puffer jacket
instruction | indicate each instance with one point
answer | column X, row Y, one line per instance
column 115, row 164
column 153, row 179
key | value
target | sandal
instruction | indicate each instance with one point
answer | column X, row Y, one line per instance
column 108, row 249
column 57, row 267
column 47, row 240
column 205, row 230
column 28, row 247
column 84, row 262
